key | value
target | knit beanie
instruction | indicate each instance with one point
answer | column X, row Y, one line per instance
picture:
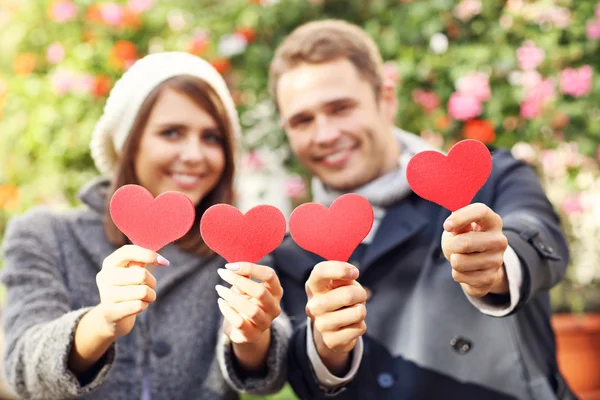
column 130, row 91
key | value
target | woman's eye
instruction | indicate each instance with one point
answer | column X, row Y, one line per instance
column 213, row 138
column 170, row 133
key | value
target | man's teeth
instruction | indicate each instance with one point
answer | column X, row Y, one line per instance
column 184, row 178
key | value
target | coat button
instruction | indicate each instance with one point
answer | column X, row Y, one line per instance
column 385, row 380
column 461, row 345
column 161, row 348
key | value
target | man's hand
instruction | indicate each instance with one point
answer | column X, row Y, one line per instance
column 474, row 244
column 336, row 305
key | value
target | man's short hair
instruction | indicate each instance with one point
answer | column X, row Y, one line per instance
column 323, row 41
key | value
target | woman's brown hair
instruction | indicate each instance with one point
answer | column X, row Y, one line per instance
column 205, row 97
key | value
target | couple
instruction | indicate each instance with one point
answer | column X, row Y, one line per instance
column 457, row 304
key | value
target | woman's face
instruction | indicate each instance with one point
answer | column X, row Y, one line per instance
column 181, row 148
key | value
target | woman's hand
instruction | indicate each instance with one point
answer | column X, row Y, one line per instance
column 126, row 287
column 249, row 308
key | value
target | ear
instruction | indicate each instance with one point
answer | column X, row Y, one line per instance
column 388, row 101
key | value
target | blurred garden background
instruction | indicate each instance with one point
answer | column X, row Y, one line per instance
column 517, row 74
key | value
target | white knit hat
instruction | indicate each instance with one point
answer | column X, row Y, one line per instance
column 130, row 91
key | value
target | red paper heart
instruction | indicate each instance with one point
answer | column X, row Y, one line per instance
column 242, row 237
column 450, row 181
column 148, row 222
column 332, row 233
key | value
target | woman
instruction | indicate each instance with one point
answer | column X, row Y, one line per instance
column 81, row 322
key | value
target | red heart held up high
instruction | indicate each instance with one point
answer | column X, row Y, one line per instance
column 334, row 232
column 242, row 237
column 148, row 222
column 450, row 181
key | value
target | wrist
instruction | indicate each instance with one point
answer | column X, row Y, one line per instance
column 252, row 356
column 337, row 362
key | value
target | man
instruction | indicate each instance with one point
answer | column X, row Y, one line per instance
column 457, row 304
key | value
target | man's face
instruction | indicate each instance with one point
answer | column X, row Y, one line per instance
column 335, row 125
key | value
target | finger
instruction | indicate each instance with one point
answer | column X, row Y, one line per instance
column 345, row 296
column 261, row 272
column 235, row 319
column 483, row 279
column 119, row 294
column 245, row 307
column 325, row 272
column 124, row 255
column 339, row 319
column 345, row 338
column 117, row 311
column 476, row 261
column 478, row 213
column 254, row 289
column 477, row 242
column 130, row 277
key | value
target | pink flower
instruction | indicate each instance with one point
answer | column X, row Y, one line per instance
column 467, row 9
column 576, row 82
column 112, row 13
column 572, row 205
column 463, row 106
column 475, row 84
column 531, row 108
column 597, row 11
column 62, row 10
column 55, row 53
column 427, row 99
column 542, row 91
column 529, row 56
column 561, row 17
column 252, row 161
column 61, row 81
column 391, row 73
column 592, row 29
column 139, row 6
column 84, row 84
column 295, row 187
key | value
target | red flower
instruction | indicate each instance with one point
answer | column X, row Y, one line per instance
column 481, row 130
column 102, row 85
column 123, row 54
column 198, row 44
column 222, row 65
column 247, row 32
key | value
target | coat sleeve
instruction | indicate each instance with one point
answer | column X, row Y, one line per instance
column 274, row 378
column 530, row 225
column 39, row 324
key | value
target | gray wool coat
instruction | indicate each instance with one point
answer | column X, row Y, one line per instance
column 50, row 264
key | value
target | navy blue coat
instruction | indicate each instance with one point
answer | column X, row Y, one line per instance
column 424, row 339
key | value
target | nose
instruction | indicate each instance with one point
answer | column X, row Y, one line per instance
column 192, row 151
column 326, row 131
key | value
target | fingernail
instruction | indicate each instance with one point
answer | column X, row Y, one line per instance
column 223, row 273
column 233, row 266
column 353, row 273
column 160, row 260
column 448, row 225
column 219, row 288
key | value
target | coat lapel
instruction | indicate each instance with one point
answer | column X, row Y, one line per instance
column 401, row 222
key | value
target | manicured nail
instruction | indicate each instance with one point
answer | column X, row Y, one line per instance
column 224, row 274
column 219, row 288
column 233, row 266
column 160, row 260
column 448, row 225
